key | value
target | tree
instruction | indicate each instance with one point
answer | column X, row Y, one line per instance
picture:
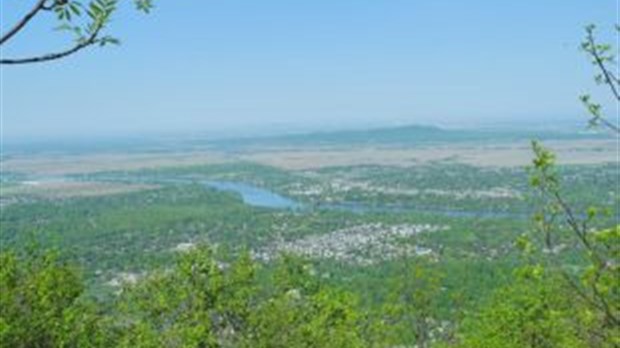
column 533, row 312
column 199, row 303
column 302, row 312
column 411, row 306
column 597, row 243
column 40, row 303
column 86, row 21
column 206, row 303
column 596, row 284
column 551, row 302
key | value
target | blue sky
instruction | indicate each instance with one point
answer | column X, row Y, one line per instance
column 272, row 66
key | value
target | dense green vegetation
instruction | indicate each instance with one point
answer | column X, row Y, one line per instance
column 202, row 302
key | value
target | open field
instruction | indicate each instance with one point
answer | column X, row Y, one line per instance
column 64, row 164
column 512, row 154
column 509, row 154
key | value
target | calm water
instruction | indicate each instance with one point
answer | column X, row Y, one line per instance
column 255, row 196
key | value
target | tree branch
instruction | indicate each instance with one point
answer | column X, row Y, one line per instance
column 40, row 5
column 610, row 80
column 600, row 60
column 609, row 125
column 47, row 57
column 53, row 56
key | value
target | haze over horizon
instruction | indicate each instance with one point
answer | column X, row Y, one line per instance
column 275, row 66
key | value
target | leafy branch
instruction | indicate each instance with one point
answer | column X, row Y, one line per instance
column 87, row 32
column 601, row 248
column 603, row 58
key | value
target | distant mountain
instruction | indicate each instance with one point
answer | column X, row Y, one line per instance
column 368, row 136
column 404, row 135
column 410, row 135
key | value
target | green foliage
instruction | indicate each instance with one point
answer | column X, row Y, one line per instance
column 40, row 305
column 206, row 303
column 197, row 304
column 595, row 281
column 532, row 312
column 98, row 16
column 301, row 312
column 410, row 309
column 323, row 318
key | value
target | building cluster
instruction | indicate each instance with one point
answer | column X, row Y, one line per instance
column 364, row 244
column 343, row 186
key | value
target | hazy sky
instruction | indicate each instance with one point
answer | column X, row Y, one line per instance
column 254, row 65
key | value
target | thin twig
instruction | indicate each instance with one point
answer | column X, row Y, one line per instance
column 40, row 5
column 609, row 125
column 601, row 64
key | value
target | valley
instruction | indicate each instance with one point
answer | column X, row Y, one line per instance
column 349, row 207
